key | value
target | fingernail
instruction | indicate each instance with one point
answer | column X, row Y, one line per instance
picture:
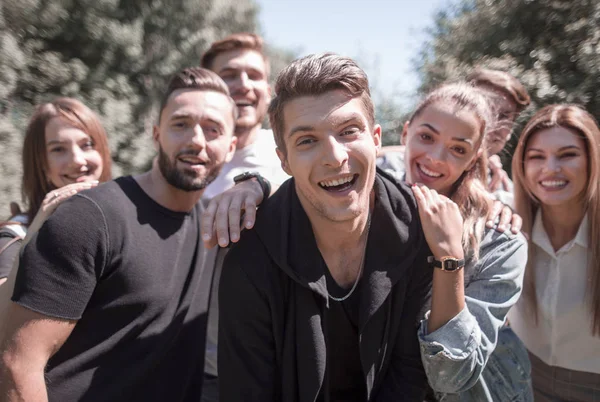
column 206, row 237
column 489, row 223
column 248, row 224
column 222, row 241
column 234, row 236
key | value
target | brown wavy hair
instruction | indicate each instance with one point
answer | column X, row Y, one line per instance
column 469, row 192
column 35, row 184
column 578, row 120
column 236, row 41
column 503, row 82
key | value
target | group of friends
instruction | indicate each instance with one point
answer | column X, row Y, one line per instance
column 306, row 262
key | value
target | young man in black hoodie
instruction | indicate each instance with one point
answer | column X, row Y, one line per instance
column 321, row 300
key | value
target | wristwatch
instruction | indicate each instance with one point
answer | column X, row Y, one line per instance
column 264, row 183
column 446, row 263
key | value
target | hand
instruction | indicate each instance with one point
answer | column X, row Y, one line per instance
column 508, row 219
column 55, row 197
column 221, row 219
column 442, row 222
column 52, row 200
column 499, row 177
column 15, row 209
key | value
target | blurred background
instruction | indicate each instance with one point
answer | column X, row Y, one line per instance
column 117, row 55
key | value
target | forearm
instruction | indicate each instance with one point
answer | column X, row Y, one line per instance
column 21, row 382
column 447, row 298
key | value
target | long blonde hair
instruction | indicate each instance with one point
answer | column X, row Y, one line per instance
column 578, row 120
column 469, row 192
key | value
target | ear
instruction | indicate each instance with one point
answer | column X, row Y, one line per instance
column 404, row 134
column 377, row 137
column 155, row 136
column 232, row 148
column 284, row 164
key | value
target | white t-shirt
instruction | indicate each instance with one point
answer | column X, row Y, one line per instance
column 259, row 156
column 563, row 336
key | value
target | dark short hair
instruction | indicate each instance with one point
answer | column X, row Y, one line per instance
column 316, row 75
column 196, row 78
column 242, row 40
column 502, row 82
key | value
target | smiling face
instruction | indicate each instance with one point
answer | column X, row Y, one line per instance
column 556, row 166
column 245, row 73
column 331, row 152
column 441, row 143
column 71, row 154
column 194, row 138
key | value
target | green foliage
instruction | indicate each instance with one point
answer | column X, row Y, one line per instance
column 114, row 55
column 552, row 46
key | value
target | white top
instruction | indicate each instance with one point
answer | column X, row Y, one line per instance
column 260, row 156
column 563, row 336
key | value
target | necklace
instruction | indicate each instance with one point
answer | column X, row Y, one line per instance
column 362, row 264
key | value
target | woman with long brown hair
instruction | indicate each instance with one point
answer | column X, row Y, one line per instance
column 65, row 150
column 556, row 172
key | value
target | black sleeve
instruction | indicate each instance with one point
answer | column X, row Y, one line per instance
column 246, row 351
column 406, row 379
column 61, row 264
column 8, row 255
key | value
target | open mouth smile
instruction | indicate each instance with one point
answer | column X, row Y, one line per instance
column 429, row 173
column 553, row 184
column 341, row 183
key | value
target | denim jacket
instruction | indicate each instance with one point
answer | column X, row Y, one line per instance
column 458, row 357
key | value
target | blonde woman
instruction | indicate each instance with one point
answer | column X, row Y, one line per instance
column 556, row 172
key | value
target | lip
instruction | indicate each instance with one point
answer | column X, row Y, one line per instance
column 552, row 184
column 78, row 177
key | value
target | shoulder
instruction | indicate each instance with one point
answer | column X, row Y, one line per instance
column 502, row 253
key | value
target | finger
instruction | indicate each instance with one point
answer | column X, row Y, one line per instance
column 516, row 223
column 428, row 196
column 420, row 197
column 222, row 221
column 235, row 214
column 506, row 183
column 250, row 213
column 505, row 218
column 495, row 182
column 207, row 223
column 493, row 213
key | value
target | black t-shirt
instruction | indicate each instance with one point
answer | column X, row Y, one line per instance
column 345, row 378
column 136, row 277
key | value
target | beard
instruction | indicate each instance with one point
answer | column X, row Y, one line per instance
column 182, row 179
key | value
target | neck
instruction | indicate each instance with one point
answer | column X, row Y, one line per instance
column 562, row 223
column 246, row 136
column 157, row 188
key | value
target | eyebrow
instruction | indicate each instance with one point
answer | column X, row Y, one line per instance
column 54, row 142
column 460, row 139
column 559, row 149
column 353, row 117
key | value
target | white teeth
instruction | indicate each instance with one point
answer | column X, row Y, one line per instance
column 336, row 182
column 428, row 172
column 554, row 183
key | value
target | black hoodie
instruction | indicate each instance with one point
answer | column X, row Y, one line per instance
column 273, row 303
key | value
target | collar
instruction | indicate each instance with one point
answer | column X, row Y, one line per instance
column 540, row 237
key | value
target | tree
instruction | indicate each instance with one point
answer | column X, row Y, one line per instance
column 552, row 46
column 115, row 56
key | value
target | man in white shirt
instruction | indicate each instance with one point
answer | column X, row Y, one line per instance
column 240, row 61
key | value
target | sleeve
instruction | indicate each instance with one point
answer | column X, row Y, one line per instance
column 60, row 266
column 9, row 249
column 246, row 349
column 455, row 355
column 406, row 379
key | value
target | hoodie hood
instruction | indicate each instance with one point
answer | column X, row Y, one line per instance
column 394, row 241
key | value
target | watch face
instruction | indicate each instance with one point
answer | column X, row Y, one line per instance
column 450, row 265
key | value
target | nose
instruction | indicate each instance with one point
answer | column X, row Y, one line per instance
column 242, row 83
column 436, row 154
column 335, row 154
column 78, row 157
column 198, row 138
column 552, row 164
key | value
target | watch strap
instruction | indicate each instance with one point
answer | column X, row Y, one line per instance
column 264, row 183
column 449, row 264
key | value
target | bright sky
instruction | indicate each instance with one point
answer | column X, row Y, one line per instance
column 384, row 36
